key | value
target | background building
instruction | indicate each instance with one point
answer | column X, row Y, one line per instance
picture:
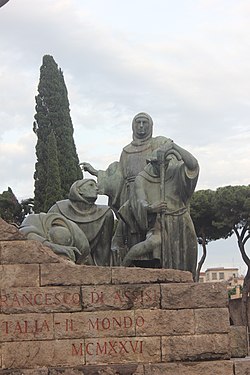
column 230, row 276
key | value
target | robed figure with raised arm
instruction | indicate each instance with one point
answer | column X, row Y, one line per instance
column 118, row 179
column 160, row 207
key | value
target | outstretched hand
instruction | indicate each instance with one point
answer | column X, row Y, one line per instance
column 87, row 167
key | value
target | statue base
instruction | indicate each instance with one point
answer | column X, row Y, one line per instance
column 60, row 318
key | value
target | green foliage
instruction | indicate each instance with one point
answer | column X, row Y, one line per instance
column 232, row 292
column 203, row 210
column 53, row 187
column 53, row 113
column 10, row 208
column 233, row 211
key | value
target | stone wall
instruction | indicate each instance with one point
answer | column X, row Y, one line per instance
column 59, row 318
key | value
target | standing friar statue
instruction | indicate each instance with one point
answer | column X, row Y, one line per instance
column 159, row 206
column 118, row 183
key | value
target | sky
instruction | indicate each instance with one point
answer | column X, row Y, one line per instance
column 185, row 62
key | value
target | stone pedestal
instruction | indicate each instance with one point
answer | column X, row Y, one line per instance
column 60, row 318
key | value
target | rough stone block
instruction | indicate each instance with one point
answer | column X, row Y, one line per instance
column 49, row 299
column 214, row 320
column 44, row 371
column 164, row 322
column 95, row 324
column 242, row 366
column 122, row 297
column 14, row 252
column 22, row 327
column 35, row 354
column 236, row 312
column 9, row 232
column 133, row 369
column 194, row 296
column 195, row 348
column 123, row 350
column 238, row 341
column 134, row 275
column 51, row 274
column 193, row 368
column 19, row 275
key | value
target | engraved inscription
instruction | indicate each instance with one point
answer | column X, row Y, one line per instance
column 49, row 299
column 109, row 347
column 121, row 297
column 26, row 327
column 97, row 324
column 112, row 347
column 121, row 350
column 113, row 323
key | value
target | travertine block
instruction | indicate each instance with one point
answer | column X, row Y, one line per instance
column 51, row 274
column 195, row 348
column 9, row 232
column 242, row 366
column 214, row 320
column 34, row 354
column 21, row 327
column 95, row 324
column 238, row 341
column 193, row 368
column 164, row 322
column 14, row 252
column 43, row 371
column 19, row 275
column 134, row 275
column 49, row 299
column 123, row 350
column 125, row 369
column 122, row 297
column 193, row 296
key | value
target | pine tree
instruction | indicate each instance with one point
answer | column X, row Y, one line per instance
column 53, row 191
column 53, row 113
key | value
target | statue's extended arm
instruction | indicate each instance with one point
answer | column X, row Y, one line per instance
column 189, row 160
column 180, row 153
column 87, row 167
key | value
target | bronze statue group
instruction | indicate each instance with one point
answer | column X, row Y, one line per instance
column 149, row 190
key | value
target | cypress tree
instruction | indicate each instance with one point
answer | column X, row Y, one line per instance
column 53, row 113
column 53, row 191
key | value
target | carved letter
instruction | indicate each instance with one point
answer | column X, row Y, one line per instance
column 16, row 300
column 118, row 297
column 69, row 325
column 96, row 297
column 128, row 322
column 29, row 299
column 95, row 325
column 139, row 321
column 36, row 299
column 101, row 350
column 123, row 347
column 112, row 347
column 105, row 326
column 76, row 298
column 87, row 348
column 76, row 351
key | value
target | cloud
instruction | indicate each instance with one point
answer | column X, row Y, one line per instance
column 190, row 73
